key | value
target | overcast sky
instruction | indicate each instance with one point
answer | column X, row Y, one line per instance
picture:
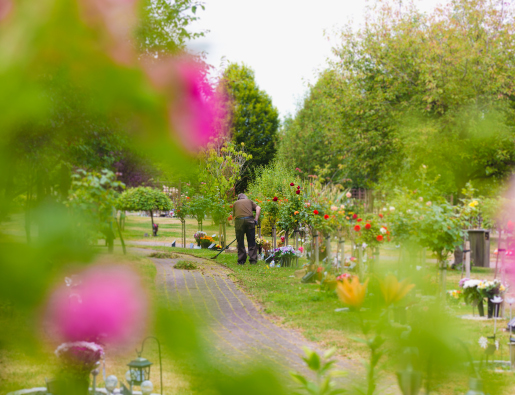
column 281, row 40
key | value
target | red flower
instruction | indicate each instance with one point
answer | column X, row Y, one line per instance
column 379, row 238
column 355, row 216
column 319, row 269
column 368, row 226
column 357, row 228
column 292, row 184
column 230, row 218
column 298, row 186
column 315, row 212
column 326, row 216
column 275, row 199
column 230, row 206
column 380, row 215
column 297, row 192
column 359, row 220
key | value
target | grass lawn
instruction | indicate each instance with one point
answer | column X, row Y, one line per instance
column 304, row 307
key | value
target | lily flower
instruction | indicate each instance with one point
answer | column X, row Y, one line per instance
column 393, row 290
column 496, row 300
column 351, row 292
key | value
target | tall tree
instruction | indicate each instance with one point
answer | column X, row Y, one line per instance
column 164, row 26
column 254, row 121
column 414, row 88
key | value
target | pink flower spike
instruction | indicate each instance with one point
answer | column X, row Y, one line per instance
column 107, row 306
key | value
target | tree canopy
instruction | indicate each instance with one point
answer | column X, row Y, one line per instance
column 144, row 199
column 254, row 119
column 410, row 88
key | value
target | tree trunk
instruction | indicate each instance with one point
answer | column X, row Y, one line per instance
column 121, row 237
column 152, row 219
column 329, row 254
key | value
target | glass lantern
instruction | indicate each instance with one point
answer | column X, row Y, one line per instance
column 139, row 370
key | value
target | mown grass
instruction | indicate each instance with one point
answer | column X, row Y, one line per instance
column 311, row 311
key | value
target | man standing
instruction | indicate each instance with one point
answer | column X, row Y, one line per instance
column 245, row 224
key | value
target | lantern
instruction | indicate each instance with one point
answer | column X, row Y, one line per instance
column 139, row 370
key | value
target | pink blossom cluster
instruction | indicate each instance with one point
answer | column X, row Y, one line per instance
column 107, row 305
column 79, row 356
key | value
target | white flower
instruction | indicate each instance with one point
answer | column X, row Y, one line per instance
column 421, row 198
column 365, row 245
column 483, row 342
column 383, row 230
column 428, row 204
column 408, row 211
column 497, row 344
column 471, row 283
column 496, row 299
column 272, row 264
column 384, row 209
column 510, row 300
column 392, row 208
column 342, row 206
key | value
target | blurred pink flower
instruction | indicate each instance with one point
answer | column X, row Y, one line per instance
column 6, row 7
column 108, row 306
column 193, row 106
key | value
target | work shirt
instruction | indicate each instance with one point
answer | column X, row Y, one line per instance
column 243, row 208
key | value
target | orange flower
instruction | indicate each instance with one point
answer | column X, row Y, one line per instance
column 295, row 213
column 351, row 292
column 393, row 290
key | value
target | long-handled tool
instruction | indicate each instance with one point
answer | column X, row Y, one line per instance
column 223, row 249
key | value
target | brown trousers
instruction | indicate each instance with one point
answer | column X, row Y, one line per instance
column 246, row 226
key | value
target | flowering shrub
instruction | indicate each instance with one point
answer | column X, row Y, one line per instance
column 371, row 234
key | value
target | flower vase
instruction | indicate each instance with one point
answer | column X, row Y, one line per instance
column 492, row 311
column 480, row 308
column 198, row 243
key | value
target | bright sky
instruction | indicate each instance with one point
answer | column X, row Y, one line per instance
column 281, row 40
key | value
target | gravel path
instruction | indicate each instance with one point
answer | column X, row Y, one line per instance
column 234, row 324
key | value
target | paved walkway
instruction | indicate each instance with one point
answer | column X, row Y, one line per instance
column 235, row 325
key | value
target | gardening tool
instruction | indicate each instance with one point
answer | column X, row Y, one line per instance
column 223, row 249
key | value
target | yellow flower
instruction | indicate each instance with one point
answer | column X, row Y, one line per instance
column 501, row 288
column 473, row 203
column 393, row 290
column 351, row 292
